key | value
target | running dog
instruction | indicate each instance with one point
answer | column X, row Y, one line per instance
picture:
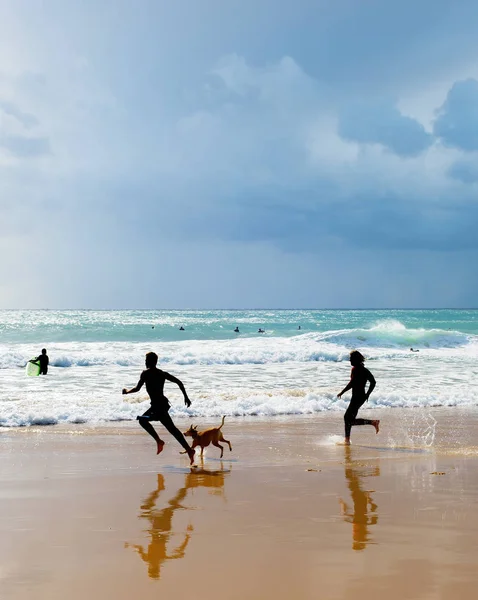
column 209, row 436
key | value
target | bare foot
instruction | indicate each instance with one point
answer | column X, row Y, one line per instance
column 376, row 424
column 191, row 454
column 347, row 442
column 160, row 446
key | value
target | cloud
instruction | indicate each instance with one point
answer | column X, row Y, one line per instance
column 26, row 119
column 383, row 124
column 13, row 124
column 464, row 171
column 265, row 162
column 26, row 147
column 457, row 121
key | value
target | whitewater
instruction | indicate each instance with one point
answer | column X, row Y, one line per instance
column 296, row 367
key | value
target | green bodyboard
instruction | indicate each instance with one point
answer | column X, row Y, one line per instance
column 33, row 369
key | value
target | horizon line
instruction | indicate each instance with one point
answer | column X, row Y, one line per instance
column 248, row 308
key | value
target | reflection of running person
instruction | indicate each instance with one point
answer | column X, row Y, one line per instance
column 358, row 379
column 362, row 500
column 155, row 379
column 43, row 362
column 161, row 530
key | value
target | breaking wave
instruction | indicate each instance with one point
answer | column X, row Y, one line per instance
column 332, row 346
column 260, row 404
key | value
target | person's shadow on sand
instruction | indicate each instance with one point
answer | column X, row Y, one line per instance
column 160, row 527
column 365, row 510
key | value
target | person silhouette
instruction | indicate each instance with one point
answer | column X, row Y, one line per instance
column 155, row 379
column 358, row 379
column 43, row 361
column 362, row 500
column 236, row 330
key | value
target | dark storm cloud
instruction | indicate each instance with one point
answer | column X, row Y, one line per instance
column 383, row 124
column 457, row 121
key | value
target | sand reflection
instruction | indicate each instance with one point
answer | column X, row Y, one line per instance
column 165, row 542
column 365, row 511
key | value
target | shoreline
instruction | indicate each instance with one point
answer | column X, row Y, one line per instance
column 418, row 421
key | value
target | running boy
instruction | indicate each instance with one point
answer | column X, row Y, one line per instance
column 154, row 379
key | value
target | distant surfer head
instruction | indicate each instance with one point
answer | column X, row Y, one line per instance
column 43, row 351
column 151, row 359
column 356, row 358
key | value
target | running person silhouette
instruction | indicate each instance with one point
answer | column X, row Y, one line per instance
column 358, row 379
column 155, row 379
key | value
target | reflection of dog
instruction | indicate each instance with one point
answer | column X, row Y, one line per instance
column 209, row 436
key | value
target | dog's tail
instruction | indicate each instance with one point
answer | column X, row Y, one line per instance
column 220, row 426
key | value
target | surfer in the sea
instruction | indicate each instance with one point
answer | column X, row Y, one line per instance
column 43, row 362
column 358, row 380
column 155, row 379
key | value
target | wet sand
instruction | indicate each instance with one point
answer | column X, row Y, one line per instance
column 92, row 512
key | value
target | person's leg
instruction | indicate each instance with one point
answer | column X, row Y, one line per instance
column 362, row 422
column 350, row 418
column 374, row 422
column 166, row 420
column 144, row 421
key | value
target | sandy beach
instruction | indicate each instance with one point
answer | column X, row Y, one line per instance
column 92, row 512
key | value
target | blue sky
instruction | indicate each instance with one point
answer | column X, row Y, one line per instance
column 223, row 153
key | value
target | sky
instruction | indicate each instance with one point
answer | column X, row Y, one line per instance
column 238, row 153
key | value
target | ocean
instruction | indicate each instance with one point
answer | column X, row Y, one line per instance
column 285, row 371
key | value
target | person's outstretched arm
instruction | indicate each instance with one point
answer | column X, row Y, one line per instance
column 348, row 386
column 136, row 388
column 180, row 385
column 372, row 381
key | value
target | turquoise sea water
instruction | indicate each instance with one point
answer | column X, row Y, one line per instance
column 284, row 371
column 44, row 326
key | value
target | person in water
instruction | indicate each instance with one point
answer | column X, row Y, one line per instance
column 358, row 380
column 155, row 379
column 236, row 330
column 43, row 361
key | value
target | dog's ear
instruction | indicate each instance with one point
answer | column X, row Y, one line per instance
column 195, row 427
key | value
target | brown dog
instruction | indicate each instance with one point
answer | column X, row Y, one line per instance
column 209, row 436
